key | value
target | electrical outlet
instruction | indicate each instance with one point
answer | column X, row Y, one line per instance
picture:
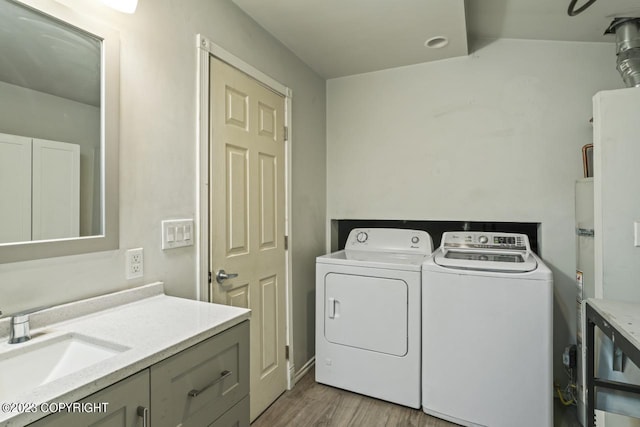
column 134, row 263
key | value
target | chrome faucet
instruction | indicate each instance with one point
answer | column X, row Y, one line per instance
column 20, row 331
column 19, row 326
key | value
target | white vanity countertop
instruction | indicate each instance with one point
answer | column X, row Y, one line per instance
column 152, row 325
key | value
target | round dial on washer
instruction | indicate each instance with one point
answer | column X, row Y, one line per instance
column 483, row 239
column 362, row 237
column 415, row 239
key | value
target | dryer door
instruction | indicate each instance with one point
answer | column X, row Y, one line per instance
column 366, row 312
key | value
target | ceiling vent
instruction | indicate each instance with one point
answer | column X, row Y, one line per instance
column 627, row 31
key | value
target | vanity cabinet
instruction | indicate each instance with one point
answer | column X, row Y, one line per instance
column 204, row 385
column 124, row 398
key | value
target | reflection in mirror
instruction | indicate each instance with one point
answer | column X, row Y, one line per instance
column 49, row 90
column 58, row 132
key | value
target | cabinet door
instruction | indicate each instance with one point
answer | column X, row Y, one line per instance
column 15, row 188
column 198, row 385
column 56, row 190
column 121, row 410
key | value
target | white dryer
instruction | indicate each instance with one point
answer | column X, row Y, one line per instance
column 368, row 314
column 487, row 332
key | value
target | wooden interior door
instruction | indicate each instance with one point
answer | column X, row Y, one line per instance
column 247, row 208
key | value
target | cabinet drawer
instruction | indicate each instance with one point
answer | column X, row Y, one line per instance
column 238, row 416
column 199, row 384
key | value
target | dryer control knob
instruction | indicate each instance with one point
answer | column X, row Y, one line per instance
column 362, row 237
column 483, row 239
column 415, row 239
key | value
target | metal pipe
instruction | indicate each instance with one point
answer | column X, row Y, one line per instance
column 627, row 31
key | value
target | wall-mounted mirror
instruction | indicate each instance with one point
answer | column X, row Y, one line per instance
column 59, row 99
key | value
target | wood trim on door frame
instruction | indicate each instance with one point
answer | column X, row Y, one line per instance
column 207, row 48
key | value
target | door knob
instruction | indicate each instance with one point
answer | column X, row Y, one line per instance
column 221, row 276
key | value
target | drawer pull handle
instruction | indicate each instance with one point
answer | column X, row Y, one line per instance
column 224, row 374
column 144, row 413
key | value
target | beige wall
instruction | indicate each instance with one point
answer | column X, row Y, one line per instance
column 158, row 149
column 495, row 136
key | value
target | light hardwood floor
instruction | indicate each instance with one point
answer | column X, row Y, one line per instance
column 310, row 404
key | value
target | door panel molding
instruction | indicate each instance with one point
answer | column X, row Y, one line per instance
column 237, row 227
column 268, row 197
column 268, row 298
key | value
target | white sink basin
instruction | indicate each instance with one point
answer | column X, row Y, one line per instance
column 44, row 359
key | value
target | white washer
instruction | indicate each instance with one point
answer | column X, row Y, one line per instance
column 487, row 332
column 368, row 314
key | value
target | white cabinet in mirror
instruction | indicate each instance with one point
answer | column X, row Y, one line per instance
column 59, row 104
column 42, row 198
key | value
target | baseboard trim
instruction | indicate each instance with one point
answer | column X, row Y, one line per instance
column 304, row 370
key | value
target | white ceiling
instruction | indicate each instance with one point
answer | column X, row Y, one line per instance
column 334, row 37
column 344, row 37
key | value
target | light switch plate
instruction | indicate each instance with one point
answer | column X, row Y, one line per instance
column 636, row 233
column 177, row 233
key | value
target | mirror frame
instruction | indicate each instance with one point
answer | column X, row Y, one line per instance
column 110, row 129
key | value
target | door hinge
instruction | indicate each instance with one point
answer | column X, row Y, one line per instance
column 286, row 133
column 286, row 352
column 209, row 277
column 286, row 243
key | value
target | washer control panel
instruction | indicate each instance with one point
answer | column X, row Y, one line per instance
column 485, row 240
column 389, row 240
